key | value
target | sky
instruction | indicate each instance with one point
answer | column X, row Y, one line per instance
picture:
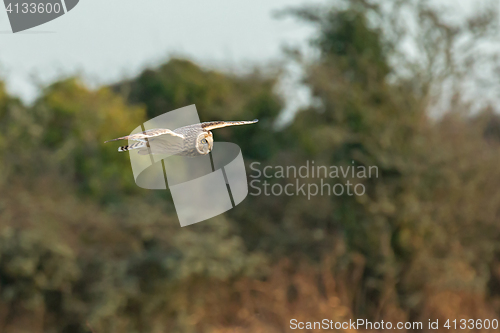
column 105, row 41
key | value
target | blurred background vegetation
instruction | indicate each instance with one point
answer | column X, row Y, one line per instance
column 82, row 248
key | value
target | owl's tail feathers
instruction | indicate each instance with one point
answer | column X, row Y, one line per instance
column 136, row 145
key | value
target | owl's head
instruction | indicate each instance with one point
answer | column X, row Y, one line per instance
column 205, row 142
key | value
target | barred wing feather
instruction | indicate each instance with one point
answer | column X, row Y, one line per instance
column 143, row 136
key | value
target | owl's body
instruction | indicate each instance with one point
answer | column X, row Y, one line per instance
column 191, row 140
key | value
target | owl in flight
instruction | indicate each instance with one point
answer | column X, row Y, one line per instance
column 191, row 140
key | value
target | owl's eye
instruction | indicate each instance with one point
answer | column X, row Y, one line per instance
column 204, row 141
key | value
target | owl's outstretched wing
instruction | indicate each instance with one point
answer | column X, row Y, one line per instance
column 218, row 124
column 143, row 136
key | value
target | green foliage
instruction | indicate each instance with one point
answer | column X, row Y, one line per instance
column 180, row 82
column 73, row 124
column 80, row 242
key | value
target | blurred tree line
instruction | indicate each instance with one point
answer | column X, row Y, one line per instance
column 82, row 248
